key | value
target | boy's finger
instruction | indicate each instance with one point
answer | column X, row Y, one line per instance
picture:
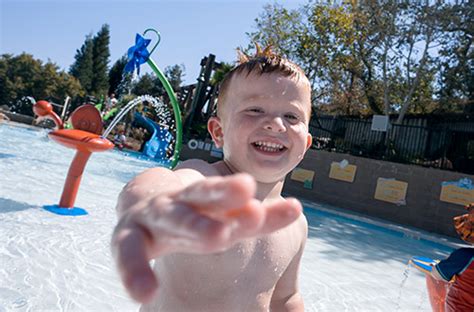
column 130, row 249
column 280, row 214
column 219, row 193
column 247, row 220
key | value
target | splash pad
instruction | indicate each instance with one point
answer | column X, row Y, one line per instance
column 86, row 138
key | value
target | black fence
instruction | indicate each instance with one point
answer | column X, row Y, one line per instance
column 447, row 146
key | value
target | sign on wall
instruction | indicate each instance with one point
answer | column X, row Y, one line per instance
column 380, row 123
column 198, row 144
column 391, row 190
column 457, row 192
column 303, row 175
column 342, row 171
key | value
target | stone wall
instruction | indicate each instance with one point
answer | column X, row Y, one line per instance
column 18, row 117
column 422, row 209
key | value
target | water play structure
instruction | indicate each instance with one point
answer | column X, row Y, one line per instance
column 84, row 138
column 87, row 125
column 138, row 55
column 159, row 140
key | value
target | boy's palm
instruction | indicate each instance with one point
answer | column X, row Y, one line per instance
column 206, row 217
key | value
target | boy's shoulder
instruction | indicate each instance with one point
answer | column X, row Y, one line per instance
column 200, row 166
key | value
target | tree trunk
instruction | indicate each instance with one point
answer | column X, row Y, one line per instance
column 414, row 85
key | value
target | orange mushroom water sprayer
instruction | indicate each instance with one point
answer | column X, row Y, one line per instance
column 85, row 139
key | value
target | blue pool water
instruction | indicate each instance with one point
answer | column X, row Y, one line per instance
column 51, row 262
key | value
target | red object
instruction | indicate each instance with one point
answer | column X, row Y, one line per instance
column 437, row 293
column 460, row 297
column 85, row 138
column 45, row 109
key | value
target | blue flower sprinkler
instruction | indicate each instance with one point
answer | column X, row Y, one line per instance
column 138, row 55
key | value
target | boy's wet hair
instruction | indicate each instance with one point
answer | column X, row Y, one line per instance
column 263, row 62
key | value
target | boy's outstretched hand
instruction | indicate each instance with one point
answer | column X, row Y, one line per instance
column 205, row 217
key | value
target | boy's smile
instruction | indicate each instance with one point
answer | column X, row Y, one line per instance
column 262, row 125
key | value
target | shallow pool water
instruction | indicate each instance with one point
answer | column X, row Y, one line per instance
column 58, row 263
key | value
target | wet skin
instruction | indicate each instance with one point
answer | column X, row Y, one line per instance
column 223, row 240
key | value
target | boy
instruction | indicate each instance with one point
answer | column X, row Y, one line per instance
column 223, row 237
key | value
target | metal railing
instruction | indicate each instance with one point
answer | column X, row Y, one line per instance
column 437, row 147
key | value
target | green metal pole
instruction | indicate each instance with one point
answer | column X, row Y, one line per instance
column 176, row 111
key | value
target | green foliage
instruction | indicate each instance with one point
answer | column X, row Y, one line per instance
column 175, row 75
column 146, row 85
column 91, row 63
column 456, row 63
column 83, row 68
column 100, row 81
column 220, row 73
column 22, row 76
column 366, row 57
column 117, row 77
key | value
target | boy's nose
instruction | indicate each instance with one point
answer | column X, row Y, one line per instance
column 275, row 124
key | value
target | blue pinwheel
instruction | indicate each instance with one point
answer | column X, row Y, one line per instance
column 138, row 54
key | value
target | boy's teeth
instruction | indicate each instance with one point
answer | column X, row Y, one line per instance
column 268, row 146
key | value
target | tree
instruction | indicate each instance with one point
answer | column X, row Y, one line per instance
column 117, row 79
column 362, row 56
column 22, row 76
column 83, row 68
column 220, row 72
column 101, row 54
column 422, row 29
column 146, row 85
column 456, row 61
column 175, row 75
column 316, row 37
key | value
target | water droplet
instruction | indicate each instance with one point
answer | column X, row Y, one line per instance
column 18, row 303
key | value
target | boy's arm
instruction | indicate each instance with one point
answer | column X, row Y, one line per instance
column 157, row 181
column 163, row 212
column 286, row 296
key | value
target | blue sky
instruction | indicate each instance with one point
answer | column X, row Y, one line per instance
column 190, row 29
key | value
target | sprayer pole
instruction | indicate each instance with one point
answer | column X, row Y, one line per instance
column 176, row 110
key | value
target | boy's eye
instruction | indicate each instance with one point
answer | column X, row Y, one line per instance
column 292, row 117
column 255, row 110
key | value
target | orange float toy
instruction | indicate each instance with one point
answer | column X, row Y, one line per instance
column 84, row 138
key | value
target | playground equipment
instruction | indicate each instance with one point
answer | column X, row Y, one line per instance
column 85, row 138
column 137, row 55
column 159, row 140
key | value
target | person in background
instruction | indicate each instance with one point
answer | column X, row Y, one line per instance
column 120, row 140
column 111, row 102
column 4, row 117
column 458, row 268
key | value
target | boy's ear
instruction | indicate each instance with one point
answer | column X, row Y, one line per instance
column 309, row 141
column 214, row 126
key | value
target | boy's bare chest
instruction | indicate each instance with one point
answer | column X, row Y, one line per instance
column 256, row 263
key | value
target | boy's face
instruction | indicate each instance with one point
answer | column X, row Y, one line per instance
column 263, row 124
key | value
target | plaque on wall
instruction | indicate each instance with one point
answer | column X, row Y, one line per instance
column 342, row 171
column 391, row 190
column 303, row 175
column 457, row 192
